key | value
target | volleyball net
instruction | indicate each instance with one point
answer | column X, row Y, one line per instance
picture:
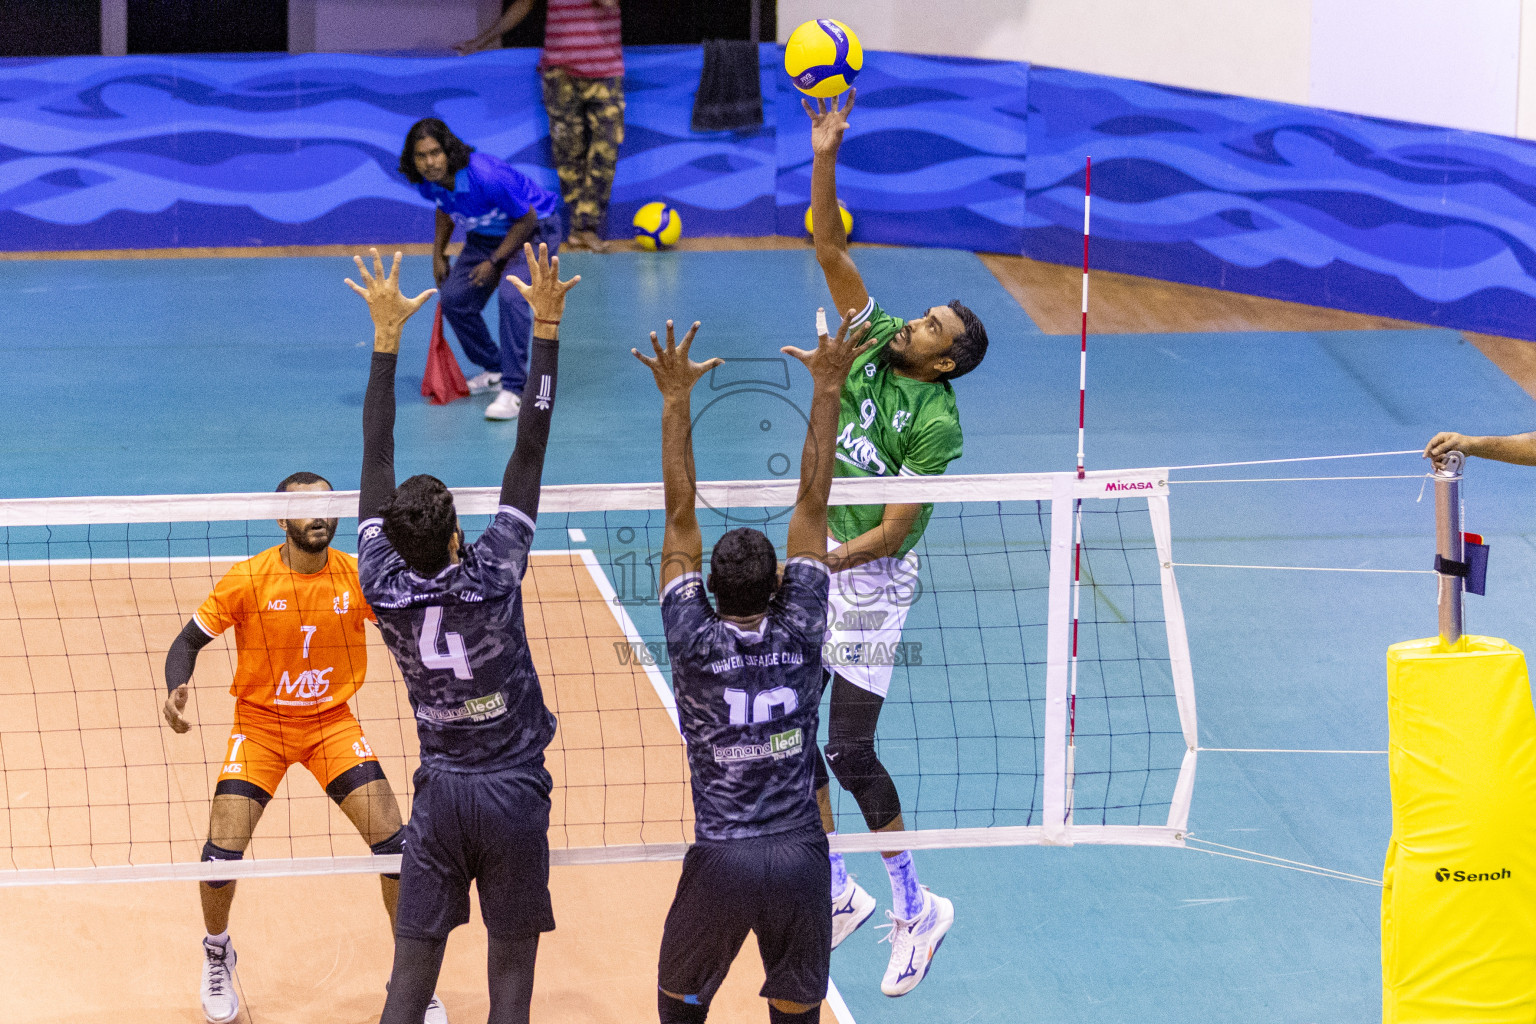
column 994, row 731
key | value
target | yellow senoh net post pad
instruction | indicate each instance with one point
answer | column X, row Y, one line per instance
column 1458, row 911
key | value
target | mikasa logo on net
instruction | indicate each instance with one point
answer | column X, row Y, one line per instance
column 1129, row 485
column 1447, row 875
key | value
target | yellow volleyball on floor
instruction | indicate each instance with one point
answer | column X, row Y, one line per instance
column 823, row 57
column 847, row 219
column 657, row 226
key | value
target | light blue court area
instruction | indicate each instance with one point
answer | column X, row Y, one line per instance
column 216, row 375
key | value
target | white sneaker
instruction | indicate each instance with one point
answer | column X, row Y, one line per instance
column 220, row 1003
column 849, row 911
column 914, row 942
column 484, row 381
column 435, row 1012
column 504, row 406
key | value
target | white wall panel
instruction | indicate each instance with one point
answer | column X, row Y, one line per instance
column 1442, row 62
column 363, row 25
column 1525, row 98
column 1247, row 47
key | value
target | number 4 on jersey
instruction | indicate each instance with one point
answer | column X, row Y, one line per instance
column 456, row 658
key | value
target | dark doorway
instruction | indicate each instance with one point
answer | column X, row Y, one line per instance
column 50, row 28
column 650, row 22
column 207, row 26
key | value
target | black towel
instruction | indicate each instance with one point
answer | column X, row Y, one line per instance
column 730, row 97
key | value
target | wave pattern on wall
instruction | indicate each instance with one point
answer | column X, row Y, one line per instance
column 148, row 152
column 934, row 153
column 1426, row 224
column 1403, row 220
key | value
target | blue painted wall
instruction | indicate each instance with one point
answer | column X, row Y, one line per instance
column 1402, row 220
column 1397, row 219
column 149, row 152
column 934, row 153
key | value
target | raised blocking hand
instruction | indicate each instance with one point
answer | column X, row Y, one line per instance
column 388, row 308
column 545, row 295
column 675, row 373
column 832, row 358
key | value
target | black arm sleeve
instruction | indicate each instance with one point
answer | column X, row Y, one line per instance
column 378, row 484
column 520, row 483
column 182, row 656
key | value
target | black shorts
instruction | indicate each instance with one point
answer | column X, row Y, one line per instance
column 777, row 886
column 491, row 827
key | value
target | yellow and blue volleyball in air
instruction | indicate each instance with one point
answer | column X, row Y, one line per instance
column 823, row 57
column 847, row 219
column 657, row 226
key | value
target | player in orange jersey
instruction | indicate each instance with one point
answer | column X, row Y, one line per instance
column 297, row 610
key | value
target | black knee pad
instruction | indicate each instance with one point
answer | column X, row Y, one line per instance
column 353, row 779
column 860, row 772
column 778, row 1016
column 213, row 852
column 678, row 1011
column 388, row 847
column 239, row 787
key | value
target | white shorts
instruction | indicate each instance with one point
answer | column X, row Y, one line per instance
column 866, row 609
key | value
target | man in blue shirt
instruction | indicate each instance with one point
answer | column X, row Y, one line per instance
column 747, row 676
column 499, row 208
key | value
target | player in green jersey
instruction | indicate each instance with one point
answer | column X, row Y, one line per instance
column 898, row 418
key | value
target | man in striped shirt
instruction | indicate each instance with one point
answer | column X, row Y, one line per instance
column 583, row 72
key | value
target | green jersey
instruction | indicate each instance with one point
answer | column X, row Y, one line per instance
column 890, row 425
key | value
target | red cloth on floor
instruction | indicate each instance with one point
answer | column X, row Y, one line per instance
column 443, row 381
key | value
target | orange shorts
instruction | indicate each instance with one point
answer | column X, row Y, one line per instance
column 264, row 744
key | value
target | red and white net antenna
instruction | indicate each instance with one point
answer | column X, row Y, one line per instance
column 1082, row 361
column 1077, row 504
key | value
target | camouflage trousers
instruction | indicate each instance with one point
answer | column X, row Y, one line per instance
column 586, row 127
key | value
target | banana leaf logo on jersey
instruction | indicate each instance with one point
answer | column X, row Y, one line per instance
column 476, row 709
column 779, row 746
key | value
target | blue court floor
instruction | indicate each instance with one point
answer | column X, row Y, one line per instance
column 144, row 376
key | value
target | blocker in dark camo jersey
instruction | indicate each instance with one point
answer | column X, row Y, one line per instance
column 461, row 646
column 748, row 703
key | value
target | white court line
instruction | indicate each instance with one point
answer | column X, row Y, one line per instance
column 664, row 692
column 627, row 625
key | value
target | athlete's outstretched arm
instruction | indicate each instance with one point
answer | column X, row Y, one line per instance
column 829, row 364
column 545, row 295
column 389, row 310
column 682, row 547
column 828, row 122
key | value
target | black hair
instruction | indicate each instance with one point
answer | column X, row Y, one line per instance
column 420, row 522
column 303, row 476
column 743, row 572
column 970, row 345
column 456, row 148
